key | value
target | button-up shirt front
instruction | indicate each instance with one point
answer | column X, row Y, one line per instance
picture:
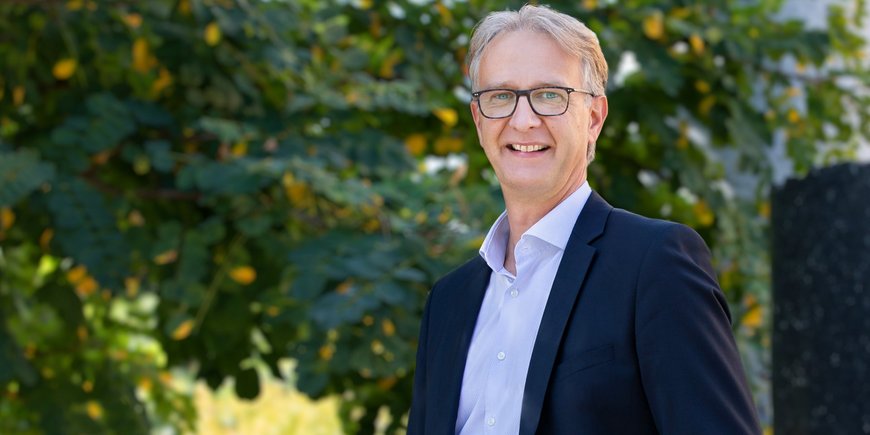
column 507, row 324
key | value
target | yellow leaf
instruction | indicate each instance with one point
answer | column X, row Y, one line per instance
column 447, row 115
column 30, row 351
column 145, row 384
column 164, row 79
column 133, row 20
column 388, row 327
column 77, row 274
column 75, row 5
column 183, row 330
column 752, row 318
column 388, row 65
column 680, row 13
column 697, row 44
column 212, row 34
column 386, row 383
column 326, row 352
column 446, row 145
column 18, row 95
column 416, row 144
column 184, row 7
column 368, row 320
column 654, row 25
column 446, row 15
column 94, row 410
column 702, row 86
column 590, row 4
column 273, row 311
column 365, row 4
column 375, row 28
column 444, row 216
column 243, row 275
column 87, row 287
column 682, row 142
column 64, row 68
column 135, row 218
column 754, row 33
column 377, row 347
column 143, row 61
column 703, row 213
column 82, row 333
column 764, row 209
column 344, row 287
column 706, row 105
column 7, row 218
column 45, row 238
column 421, row 217
column 793, row 116
column 371, row 225
column 239, row 149
column 87, row 386
column 166, row 257
column 317, row 54
column 131, row 284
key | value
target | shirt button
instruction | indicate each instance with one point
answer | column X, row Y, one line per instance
column 491, row 421
column 500, row 356
column 514, row 293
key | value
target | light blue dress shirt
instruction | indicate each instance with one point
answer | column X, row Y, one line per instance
column 504, row 336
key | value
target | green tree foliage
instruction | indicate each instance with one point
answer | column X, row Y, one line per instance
column 202, row 185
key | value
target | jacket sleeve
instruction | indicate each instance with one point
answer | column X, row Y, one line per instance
column 417, row 414
column 690, row 367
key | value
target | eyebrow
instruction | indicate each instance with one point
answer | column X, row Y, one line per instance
column 506, row 85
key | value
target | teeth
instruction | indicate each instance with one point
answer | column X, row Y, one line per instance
column 527, row 148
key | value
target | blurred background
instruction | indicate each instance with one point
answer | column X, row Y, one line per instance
column 223, row 216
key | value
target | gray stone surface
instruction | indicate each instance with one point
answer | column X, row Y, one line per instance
column 821, row 291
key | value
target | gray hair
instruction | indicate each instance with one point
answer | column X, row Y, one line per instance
column 568, row 32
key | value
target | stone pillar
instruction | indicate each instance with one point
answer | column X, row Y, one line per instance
column 821, row 299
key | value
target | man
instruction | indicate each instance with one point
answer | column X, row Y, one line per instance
column 576, row 318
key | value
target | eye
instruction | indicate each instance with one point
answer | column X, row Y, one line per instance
column 549, row 95
column 502, row 96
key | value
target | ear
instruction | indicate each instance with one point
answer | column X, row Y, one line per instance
column 478, row 118
column 597, row 115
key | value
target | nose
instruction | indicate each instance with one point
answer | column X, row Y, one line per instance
column 524, row 118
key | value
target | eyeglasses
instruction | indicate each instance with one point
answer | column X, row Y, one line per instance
column 545, row 101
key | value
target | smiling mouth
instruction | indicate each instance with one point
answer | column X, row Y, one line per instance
column 528, row 148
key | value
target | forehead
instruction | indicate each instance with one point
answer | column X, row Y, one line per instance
column 526, row 58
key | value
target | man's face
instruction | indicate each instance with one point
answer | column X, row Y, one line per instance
column 543, row 157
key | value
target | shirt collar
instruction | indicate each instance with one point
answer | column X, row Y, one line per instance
column 554, row 228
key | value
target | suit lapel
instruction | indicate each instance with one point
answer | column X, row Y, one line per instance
column 463, row 319
column 569, row 279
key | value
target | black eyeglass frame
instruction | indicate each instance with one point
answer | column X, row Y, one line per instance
column 528, row 94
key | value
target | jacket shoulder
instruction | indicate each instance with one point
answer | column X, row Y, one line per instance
column 639, row 227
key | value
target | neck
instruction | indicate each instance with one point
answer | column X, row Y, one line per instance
column 523, row 211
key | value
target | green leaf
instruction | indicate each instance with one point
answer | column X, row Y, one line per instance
column 21, row 173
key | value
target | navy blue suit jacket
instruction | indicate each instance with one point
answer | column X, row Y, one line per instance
column 635, row 338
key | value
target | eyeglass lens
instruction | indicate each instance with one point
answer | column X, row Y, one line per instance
column 500, row 103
